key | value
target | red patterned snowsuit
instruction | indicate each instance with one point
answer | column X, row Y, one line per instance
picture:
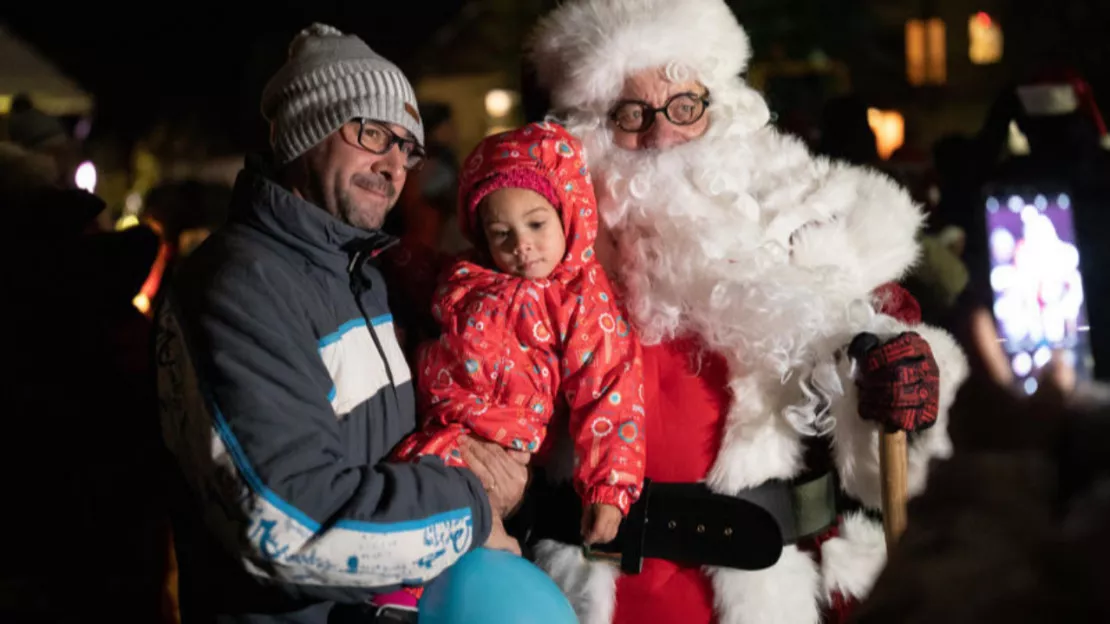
column 514, row 351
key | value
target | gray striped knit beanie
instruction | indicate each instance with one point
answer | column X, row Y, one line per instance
column 329, row 79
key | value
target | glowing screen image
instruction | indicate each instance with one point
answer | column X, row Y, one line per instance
column 1035, row 276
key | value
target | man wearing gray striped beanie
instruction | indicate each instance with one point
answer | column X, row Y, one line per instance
column 336, row 110
column 282, row 384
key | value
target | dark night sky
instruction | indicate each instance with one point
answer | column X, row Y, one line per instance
column 202, row 58
column 209, row 60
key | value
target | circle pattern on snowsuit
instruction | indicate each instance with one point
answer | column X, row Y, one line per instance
column 602, row 427
column 606, row 322
column 539, row 332
column 628, row 432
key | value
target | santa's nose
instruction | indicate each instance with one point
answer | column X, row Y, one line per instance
column 662, row 134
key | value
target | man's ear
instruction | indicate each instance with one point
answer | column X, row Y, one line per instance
column 294, row 176
column 292, row 173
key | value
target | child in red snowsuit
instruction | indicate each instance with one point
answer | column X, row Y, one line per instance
column 530, row 326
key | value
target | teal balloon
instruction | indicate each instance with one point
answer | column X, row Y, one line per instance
column 494, row 587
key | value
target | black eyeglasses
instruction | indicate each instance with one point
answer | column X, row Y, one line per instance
column 376, row 138
column 682, row 109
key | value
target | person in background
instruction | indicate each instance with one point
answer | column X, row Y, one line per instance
column 43, row 134
column 939, row 277
column 186, row 212
column 1069, row 150
column 430, row 237
column 426, row 211
column 80, row 384
column 956, row 183
column 1014, row 527
column 183, row 214
column 845, row 132
column 282, row 386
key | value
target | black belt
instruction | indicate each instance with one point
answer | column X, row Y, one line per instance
column 687, row 523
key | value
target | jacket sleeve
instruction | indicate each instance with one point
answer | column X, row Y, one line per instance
column 603, row 386
column 453, row 381
column 463, row 375
column 282, row 481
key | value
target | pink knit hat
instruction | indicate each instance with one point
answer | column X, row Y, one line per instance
column 514, row 178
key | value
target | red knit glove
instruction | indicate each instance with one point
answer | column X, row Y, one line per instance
column 899, row 386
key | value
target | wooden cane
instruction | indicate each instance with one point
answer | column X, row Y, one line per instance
column 892, row 457
column 893, row 467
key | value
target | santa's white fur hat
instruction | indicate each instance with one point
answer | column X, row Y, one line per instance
column 585, row 49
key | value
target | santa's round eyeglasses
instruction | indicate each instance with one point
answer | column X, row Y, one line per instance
column 376, row 138
column 682, row 109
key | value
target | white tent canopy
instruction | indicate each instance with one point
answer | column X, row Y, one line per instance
column 24, row 70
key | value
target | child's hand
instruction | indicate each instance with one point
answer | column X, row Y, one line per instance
column 501, row 540
column 600, row 523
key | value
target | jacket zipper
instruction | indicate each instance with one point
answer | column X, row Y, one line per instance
column 357, row 288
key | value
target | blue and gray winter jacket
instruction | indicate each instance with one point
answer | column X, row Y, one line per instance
column 282, row 387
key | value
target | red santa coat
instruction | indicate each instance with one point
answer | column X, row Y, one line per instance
column 513, row 350
column 680, row 450
column 679, row 378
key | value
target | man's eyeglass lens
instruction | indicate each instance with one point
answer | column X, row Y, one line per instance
column 378, row 139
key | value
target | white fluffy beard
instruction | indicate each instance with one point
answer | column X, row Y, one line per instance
column 695, row 260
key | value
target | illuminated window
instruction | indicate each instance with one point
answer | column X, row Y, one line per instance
column 889, row 128
column 984, row 37
column 926, row 60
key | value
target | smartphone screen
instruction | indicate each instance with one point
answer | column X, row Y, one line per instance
column 1036, row 280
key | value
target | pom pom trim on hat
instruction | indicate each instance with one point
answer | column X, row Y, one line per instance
column 316, row 29
column 320, row 29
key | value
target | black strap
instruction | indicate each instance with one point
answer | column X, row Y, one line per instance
column 687, row 523
column 815, row 507
column 801, row 508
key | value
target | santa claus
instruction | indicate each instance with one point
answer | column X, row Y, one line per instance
column 748, row 266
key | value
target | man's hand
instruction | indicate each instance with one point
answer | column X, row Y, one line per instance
column 899, row 383
column 989, row 415
column 600, row 523
column 499, row 539
column 503, row 473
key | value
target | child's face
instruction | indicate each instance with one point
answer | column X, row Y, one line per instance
column 524, row 232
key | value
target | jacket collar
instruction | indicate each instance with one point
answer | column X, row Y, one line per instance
column 322, row 239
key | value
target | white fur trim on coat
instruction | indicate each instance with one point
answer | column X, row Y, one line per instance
column 851, row 562
column 584, row 49
column 590, row 586
column 787, row 592
column 768, row 254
